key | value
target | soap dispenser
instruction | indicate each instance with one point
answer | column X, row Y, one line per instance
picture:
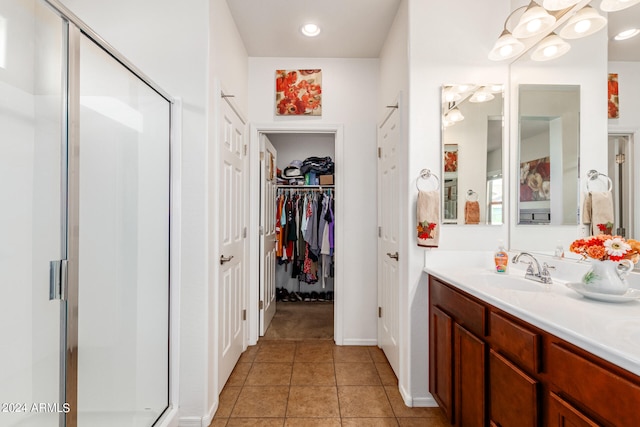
column 501, row 258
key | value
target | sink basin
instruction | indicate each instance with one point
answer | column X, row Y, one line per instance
column 513, row 282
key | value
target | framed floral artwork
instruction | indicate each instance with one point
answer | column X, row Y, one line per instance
column 612, row 89
column 298, row 92
column 535, row 180
column 451, row 158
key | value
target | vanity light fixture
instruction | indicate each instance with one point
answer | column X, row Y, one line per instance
column 482, row 95
column 506, row 47
column 535, row 20
column 627, row 34
column 451, row 95
column 446, row 122
column 584, row 23
column 550, row 47
column 454, row 115
column 310, row 30
column 616, row 5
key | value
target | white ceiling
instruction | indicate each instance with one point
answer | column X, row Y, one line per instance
column 356, row 28
column 350, row 28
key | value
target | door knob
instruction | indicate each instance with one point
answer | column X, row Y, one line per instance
column 394, row 256
column 224, row 259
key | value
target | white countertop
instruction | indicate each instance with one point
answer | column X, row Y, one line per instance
column 608, row 330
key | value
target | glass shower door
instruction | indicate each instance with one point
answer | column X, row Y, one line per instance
column 123, row 283
column 32, row 213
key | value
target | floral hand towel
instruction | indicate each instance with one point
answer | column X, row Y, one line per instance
column 428, row 216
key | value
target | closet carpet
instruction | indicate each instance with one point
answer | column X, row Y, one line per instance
column 301, row 320
column 314, row 383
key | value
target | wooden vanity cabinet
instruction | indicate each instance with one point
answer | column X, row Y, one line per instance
column 458, row 356
column 489, row 368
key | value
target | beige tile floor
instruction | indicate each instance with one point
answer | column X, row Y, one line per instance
column 316, row 383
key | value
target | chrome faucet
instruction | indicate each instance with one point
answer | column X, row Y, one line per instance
column 539, row 274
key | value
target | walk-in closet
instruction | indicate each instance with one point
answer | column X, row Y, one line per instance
column 301, row 204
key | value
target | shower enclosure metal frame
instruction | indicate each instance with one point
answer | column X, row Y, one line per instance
column 67, row 275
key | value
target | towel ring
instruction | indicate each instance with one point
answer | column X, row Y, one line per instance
column 426, row 174
column 593, row 175
column 472, row 196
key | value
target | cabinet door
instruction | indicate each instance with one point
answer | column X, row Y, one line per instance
column 562, row 414
column 513, row 394
column 441, row 360
column 469, row 383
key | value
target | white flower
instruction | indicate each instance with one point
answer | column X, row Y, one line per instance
column 616, row 246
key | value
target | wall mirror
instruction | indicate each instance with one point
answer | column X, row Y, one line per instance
column 548, row 148
column 472, row 144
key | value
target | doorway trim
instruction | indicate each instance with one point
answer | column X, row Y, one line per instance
column 254, row 218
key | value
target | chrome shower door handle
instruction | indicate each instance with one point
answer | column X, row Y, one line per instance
column 224, row 259
column 393, row 256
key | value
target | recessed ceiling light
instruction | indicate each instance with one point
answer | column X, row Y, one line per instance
column 627, row 34
column 310, row 30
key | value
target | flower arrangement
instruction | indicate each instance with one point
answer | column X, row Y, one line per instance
column 425, row 228
column 605, row 247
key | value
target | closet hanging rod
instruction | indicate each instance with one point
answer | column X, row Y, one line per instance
column 306, row 187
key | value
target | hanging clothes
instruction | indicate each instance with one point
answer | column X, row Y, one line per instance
column 304, row 233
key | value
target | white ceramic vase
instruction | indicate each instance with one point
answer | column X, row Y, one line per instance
column 608, row 277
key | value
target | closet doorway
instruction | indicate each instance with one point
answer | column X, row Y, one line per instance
column 621, row 170
column 297, row 291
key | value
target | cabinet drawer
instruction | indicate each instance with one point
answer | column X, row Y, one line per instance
column 517, row 342
column 464, row 310
column 562, row 414
column 602, row 391
column 513, row 394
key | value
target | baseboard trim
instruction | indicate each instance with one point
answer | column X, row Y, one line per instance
column 212, row 411
column 199, row 421
column 417, row 402
column 406, row 397
column 425, row 402
column 370, row 342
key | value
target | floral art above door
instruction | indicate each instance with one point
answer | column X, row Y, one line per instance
column 298, row 92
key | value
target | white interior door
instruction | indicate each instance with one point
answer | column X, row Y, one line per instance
column 388, row 220
column 232, row 272
column 267, row 233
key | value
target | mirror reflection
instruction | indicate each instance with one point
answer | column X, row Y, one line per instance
column 549, row 119
column 472, row 144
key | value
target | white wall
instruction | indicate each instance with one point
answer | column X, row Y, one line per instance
column 296, row 146
column 449, row 42
column 350, row 98
column 228, row 56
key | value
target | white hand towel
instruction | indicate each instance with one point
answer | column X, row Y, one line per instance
column 597, row 210
column 428, row 217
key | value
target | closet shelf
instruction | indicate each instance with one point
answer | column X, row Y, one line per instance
column 305, row 186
